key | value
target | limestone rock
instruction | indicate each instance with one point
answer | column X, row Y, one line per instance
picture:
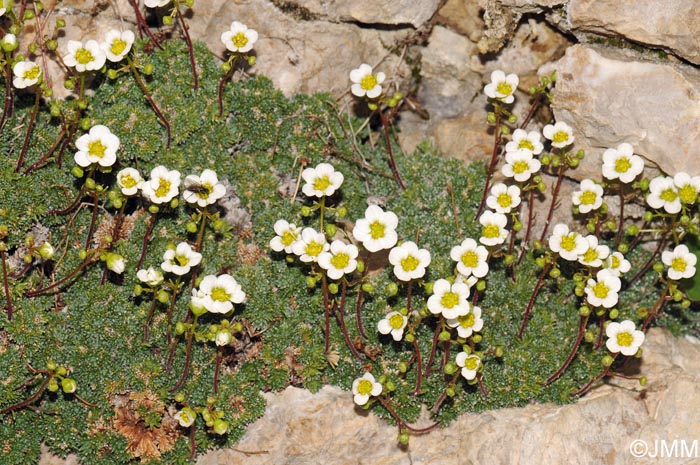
column 672, row 26
column 462, row 16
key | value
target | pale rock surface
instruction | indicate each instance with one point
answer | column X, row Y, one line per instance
column 610, row 97
column 463, row 17
column 672, row 25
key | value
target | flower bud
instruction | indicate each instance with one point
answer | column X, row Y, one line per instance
column 90, row 183
column 331, row 229
column 220, row 426
column 360, row 266
column 163, row 296
column 410, row 337
column 9, row 42
column 648, row 216
column 189, row 3
column 584, row 310
column 589, row 336
column 403, row 367
column 148, row 69
column 333, row 288
column 46, row 251
column 82, row 254
column 191, row 227
column 341, row 212
column 167, row 20
column 53, row 385
column 658, row 267
column 392, row 289
column 115, row 263
column 403, row 438
column 60, row 22
column 153, row 209
column 305, row 210
column 69, row 385
column 614, row 313
column 251, row 60
column 451, row 368
column 607, row 361
column 554, row 273
column 444, row 335
column 223, row 337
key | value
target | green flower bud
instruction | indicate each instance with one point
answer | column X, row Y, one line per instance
column 46, row 251
column 428, row 287
column 517, row 226
column 480, row 285
column 685, row 303
column 451, row 368
column 191, row 227
column 311, row 282
column 658, row 267
column 644, row 184
column 117, row 203
column 623, row 248
column 403, row 367
column 52, row 44
column 148, row 69
column 444, row 336
column 251, row 60
column 476, row 338
column 112, row 73
column 179, row 397
column 372, row 106
column 643, row 381
column 648, row 216
column 403, row 438
column 584, row 310
column 574, row 162
column 138, row 290
column 556, row 161
column 450, row 391
column 607, row 361
column 174, row 203
column 367, row 287
column 611, row 225
column 614, row 313
column 179, row 328
column 410, row 337
column 540, row 262
column 545, row 160
column 226, row 67
column 162, row 296
column 678, row 296
column 167, row 20
column 600, row 312
column 82, row 104
column 305, row 210
column 220, row 426
column 554, row 273
column 189, row 3
column 589, row 336
column 360, row 266
column 542, row 187
column 53, row 385
column 51, row 365
column 90, row 183
column 32, row 48
column 491, row 117
column 153, row 209
column 28, row 14
column 60, row 22
column 76, row 170
column 61, row 371
column 331, row 229
column 632, row 230
column 505, row 130
column 82, row 254
column 579, row 291
column 333, row 288
column 603, row 208
column 391, row 289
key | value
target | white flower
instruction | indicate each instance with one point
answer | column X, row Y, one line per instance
column 115, row 263
column 617, row 264
column 97, row 146
column 470, row 365
column 185, row 417
column 180, row 260
column 501, row 86
column 394, row 323
column 493, row 230
column 239, row 38
column 688, row 187
column 340, row 260
column 590, row 197
column 595, row 253
column 8, row 42
column 223, row 337
column 203, row 190
column 198, row 302
column 622, row 163
column 450, row 300
column 366, row 83
column 310, row 245
column 503, row 199
column 220, row 293
column 150, row 276
column 663, row 194
column 377, row 230
column 27, row 73
column 623, row 337
column 409, row 261
column 471, row 258
column 287, row 235
column 88, row 57
column 155, row 3
column 163, row 185
column 364, row 387
column 520, row 165
column 523, row 140
column 467, row 324
column 321, row 180
column 568, row 244
column 4, row 6
column 681, row 262
column 129, row 181
column 559, row 133
column 117, row 44
column 602, row 291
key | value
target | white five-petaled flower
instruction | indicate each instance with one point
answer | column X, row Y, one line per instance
column 163, row 185
column 203, row 190
column 115, row 263
column 622, row 163
column 617, row 264
column 687, row 186
column 156, row 3
column 185, row 417
column 449, row 300
column 219, row 293
column 589, row 198
column 239, row 38
column 470, row 365
column 467, row 324
column 151, row 276
column 493, row 228
column 129, row 181
column 680, row 262
column 559, row 133
column 323, row 180
column 223, row 337
column 117, row 44
column 366, row 83
column 595, row 253
column 523, row 140
column 502, row 198
column 88, row 57
column 309, row 246
column 365, row 387
column 409, row 261
column 502, row 87
column 180, row 260
column 520, row 165
column 27, row 73
column 663, row 194
column 340, row 260
column 99, row 146
column 377, row 230
column 471, row 258
column 287, row 235
column 394, row 323
column 568, row 244
column 602, row 291
column 623, row 337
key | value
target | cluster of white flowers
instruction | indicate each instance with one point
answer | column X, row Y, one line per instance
column 92, row 55
column 217, row 294
column 671, row 193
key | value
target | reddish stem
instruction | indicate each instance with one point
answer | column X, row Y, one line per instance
column 217, row 369
column 340, row 313
column 190, row 48
column 577, row 343
column 402, row 424
column 8, row 104
column 58, row 283
column 144, row 244
column 492, row 164
column 6, row 285
column 327, row 315
column 433, row 350
column 553, row 205
column 29, row 400
column 143, row 26
column 390, row 150
column 149, row 318
column 222, row 84
column 531, row 302
column 358, row 313
column 30, row 128
column 188, row 362
column 48, row 154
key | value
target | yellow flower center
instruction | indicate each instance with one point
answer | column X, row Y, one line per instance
column 239, row 40
column 322, row 183
column 526, row 144
column 83, row 56
column 568, row 242
column 504, row 200
column 368, row 82
column 471, row 363
column 601, row 290
column 466, row 321
column 288, row 238
column 204, row 191
column 128, row 181
column 520, row 166
column 491, row 231
column 118, row 47
column 396, row 321
column 590, row 255
column 376, row 230
column 449, row 299
column 687, row 193
column 97, row 149
column 470, row 259
column 504, row 88
column 669, row 195
column 163, row 187
column 313, row 249
column 410, row 263
column 624, row 339
column 588, row 198
column 614, row 262
column 182, row 260
column 340, row 261
column 220, row 295
column 364, row 387
column 622, row 164
column 679, row 264
column 560, row 136
column 32, row 73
